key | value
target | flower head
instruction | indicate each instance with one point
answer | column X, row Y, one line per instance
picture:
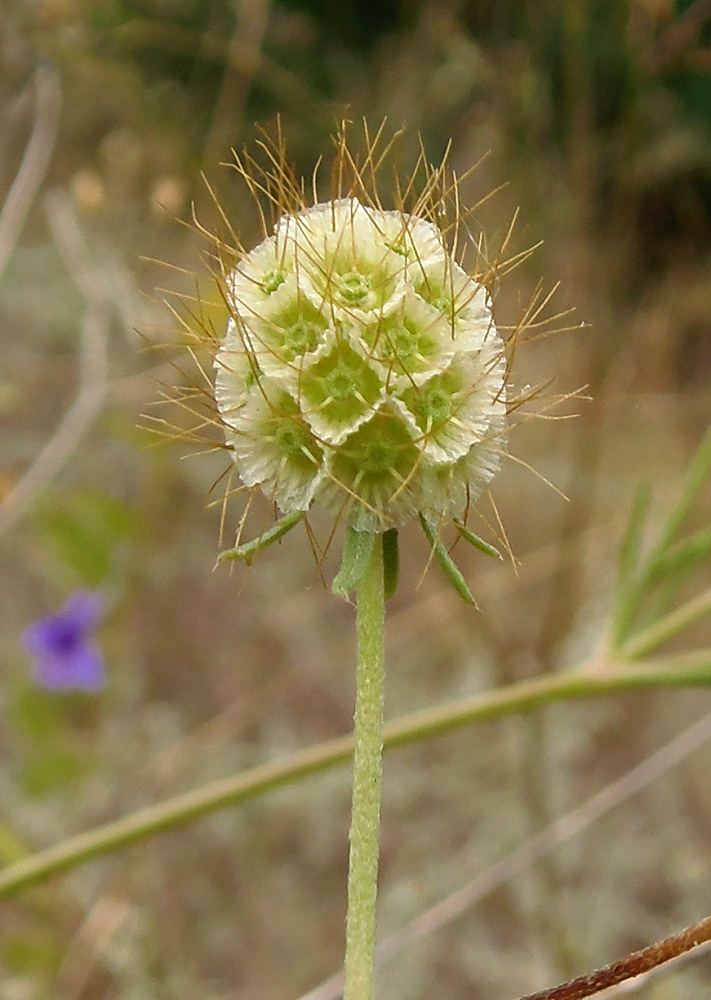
column 361, row 369
column 65, row 657
column 357, row 363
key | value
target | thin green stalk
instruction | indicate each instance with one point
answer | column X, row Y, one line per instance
column 683, row 671
column 367, row 773
column 652, row 637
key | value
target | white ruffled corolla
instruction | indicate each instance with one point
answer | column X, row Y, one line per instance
column 361, row 369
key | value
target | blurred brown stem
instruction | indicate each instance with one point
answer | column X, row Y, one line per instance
column 631, row 966
column 35, row 161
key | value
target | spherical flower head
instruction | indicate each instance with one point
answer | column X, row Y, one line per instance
column 361, row 369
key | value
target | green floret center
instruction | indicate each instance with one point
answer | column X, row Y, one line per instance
column 403, row 344
column 397, row 246
column 340, row 386
column 291, row 436
column 434, row 403
column 292, row 439
column 285, row 428
column 294, row 330
column 301, row 337
column 353, row 287
column 341, row 383
column 380, row 451
column 439, row 294
column 271, row 281
column 444, row 304
column 377, row 458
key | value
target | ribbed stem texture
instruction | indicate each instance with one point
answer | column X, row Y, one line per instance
column 367, row 771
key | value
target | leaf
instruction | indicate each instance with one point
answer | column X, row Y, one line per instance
column 632, row 540
column 667, row 564
column 629, row 592
column 357, row 551
column 391, row 562
column 684, row 556
column 474, row 540
column 698, row 470
column 268, row 537
column 674, row 568
column 452, row 571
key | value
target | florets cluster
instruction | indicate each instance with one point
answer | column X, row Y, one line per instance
column 361, row 369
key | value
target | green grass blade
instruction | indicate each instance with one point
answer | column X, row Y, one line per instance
column 667, row 564
column 683, row 557
column 629, row 592
column 659, row 632
column 632, row 540
column 674, row 568
column 697, row 472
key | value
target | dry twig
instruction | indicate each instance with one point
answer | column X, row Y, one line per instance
column 92, row 369
column 34, row 161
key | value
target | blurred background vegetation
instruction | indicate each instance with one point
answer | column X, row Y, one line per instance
column 596, row 114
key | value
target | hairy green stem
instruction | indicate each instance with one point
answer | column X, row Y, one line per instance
column 367, row 773
column 683, row 671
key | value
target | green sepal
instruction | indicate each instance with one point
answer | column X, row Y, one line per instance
column 452, row 571
column 391, row 562
column 268, row 537
column 354, row 562
column 474, row 540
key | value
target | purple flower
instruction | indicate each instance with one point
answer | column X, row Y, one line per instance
column 65, row 657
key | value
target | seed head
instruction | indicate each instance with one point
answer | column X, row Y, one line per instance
column 361, row 369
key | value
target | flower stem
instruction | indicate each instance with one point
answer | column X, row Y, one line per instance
column 367, row 771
